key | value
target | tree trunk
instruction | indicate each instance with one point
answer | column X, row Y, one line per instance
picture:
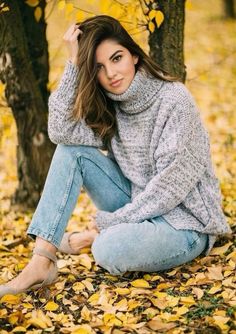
column 167, row 42
column 24, row 68
column 229, row 8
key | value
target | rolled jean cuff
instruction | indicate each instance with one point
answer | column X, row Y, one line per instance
column 33, row 233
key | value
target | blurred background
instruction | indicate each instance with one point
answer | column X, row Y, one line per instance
column 194, row 39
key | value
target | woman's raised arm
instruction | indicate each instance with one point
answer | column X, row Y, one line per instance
column 62, row 127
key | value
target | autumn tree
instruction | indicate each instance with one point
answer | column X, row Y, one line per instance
column 229, row 8
column 167, row 40
column 24, row 69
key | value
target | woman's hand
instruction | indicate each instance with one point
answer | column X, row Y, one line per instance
column 92, row 226
column 71, row 40
column 81, row 240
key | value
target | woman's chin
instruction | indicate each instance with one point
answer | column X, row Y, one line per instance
column 117, row 90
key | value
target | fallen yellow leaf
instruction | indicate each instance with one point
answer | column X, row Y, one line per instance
column 78, row 286
column 19, row 329
column 37, row 322
column 187, row 300
column 111, row 320
column 198, row 292
column 93, row 299
column 132, row 304
column 214, row 289
column 85, row 313
column 221, row 322
column 215, row 273
column 122, row 291
column 85, row 261
column 158, row 325
column 220, row 250
column 51, row 306
column 140, row 283
column 10, row 299
column 181, row 310
column 122, row 305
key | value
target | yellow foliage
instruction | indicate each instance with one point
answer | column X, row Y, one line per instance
column 140, row 283
column 151, row 26
column 69, row 8
column 4, row 8
column 10, row 299
column 85, row 261
column 83, row 329
column 152, row 14
column 122, row 291
column 159, row 18
column 85, row 314
column 78, row 286
column 2, row 89
column 111, row 320
column 93, row 299
column 37, row 13
column 187, row 300
column 51, row 306
column 80, row 16
column 19, row 329
column 13, row 318
column 37, row 322
column 221, row 250
column 61, row 4
column 32, row 3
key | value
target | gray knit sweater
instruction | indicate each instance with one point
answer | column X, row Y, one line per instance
column 161, row 146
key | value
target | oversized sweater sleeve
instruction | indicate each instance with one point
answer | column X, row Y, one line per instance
column 62, row 128
column 180, row 159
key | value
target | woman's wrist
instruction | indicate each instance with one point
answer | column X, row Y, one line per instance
column 93, row 226
column 73, row 61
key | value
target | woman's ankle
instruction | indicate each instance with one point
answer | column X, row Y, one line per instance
column 46, row 245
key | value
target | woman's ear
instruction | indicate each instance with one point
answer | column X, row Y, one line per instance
column 135, row 58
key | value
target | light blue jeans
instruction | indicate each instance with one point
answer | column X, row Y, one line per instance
column 153, row 245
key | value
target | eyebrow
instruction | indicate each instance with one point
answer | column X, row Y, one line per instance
column 112, row 55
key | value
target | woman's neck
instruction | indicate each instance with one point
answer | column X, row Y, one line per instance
column 139, row 95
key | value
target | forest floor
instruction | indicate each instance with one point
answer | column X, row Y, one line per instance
column 198, row 297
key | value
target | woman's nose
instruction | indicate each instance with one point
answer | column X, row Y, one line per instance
column 110, row 72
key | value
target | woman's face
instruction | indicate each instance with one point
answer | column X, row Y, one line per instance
column 115, row 66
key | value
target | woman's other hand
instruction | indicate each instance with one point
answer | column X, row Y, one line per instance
column 71, row 40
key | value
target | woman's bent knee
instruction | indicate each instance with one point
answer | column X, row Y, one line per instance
column 107, row 255
column 67, row 149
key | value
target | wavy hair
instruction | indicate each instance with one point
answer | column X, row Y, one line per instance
column 91, row 103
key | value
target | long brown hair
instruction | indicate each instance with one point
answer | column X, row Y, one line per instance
column 91, row 103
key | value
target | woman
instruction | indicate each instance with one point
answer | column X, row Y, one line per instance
column 158, row 198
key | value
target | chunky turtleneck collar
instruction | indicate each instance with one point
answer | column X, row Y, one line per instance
column 139, row 95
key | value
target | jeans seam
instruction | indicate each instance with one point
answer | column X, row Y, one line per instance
column 171, row 257
column 64, row 200
column 184, row 251
column 39, row 233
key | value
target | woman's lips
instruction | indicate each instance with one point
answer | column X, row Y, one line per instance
column 116, row 83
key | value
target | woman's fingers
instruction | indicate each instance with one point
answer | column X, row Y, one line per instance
column 71, row 40
column 72, row 33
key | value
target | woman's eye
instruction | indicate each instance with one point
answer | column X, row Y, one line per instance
column 117, row 57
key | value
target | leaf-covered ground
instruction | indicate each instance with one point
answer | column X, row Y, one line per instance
column 195, row 298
